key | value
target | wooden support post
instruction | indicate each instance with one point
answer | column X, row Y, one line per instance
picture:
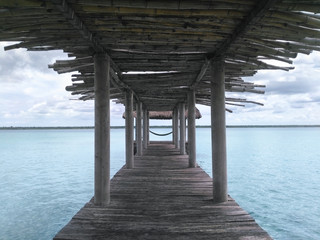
column 218, row 133
column 176, row 127
column 148, row 128
column 182, row 129
column 145, row 128
column 192, row 129
column 102, row 129
column 129, row 129
column 138, row 129
column 172, row 129
column 135, row 122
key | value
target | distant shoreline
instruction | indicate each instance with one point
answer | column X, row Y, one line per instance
column 120, row 127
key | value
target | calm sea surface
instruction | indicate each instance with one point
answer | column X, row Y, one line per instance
column 46, row 176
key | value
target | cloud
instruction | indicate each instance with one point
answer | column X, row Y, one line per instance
column 291, row 97
column 116, row 109
column 33, row 95
column 19, row 65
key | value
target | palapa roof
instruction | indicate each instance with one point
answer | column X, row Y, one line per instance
column 160, row 49
column 160, row 115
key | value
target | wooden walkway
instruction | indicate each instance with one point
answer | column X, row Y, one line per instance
column 161, row 198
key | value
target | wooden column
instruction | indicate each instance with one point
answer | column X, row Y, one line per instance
column 176, row 127
column 182, row 129
column 192, row 129
column 139, row 129
column 145, row 128
column 148, row 128
column 172, row 129
column 218, row 133
column 102, row 129
column 135, row 122
column 129, row 130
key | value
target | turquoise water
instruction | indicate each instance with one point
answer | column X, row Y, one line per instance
column 274, row 173
column 46, row 176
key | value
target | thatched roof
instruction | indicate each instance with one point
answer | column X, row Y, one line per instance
column 162, row 115
column 167, row 46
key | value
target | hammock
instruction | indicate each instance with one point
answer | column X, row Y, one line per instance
column 158, row 134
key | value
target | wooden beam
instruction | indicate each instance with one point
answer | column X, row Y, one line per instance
column 201, row 73
column 152, row 12
column 254, row 16
column 223, row 47
column 163, row 5
column 78, row 24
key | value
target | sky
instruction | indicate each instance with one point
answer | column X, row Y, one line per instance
column 32, row 95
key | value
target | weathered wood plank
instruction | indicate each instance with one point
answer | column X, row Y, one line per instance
column 161, row 198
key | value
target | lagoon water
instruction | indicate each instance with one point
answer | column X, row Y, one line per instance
column 46, row 176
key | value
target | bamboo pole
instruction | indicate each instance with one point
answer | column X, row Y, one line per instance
column 192, row 129
column 129, row 130
column 218, row 133
column 102, row 130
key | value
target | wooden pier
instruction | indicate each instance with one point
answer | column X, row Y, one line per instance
column 162, row 198
column 177, row 53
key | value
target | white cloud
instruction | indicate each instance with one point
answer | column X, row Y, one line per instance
column 291, row 97
column 33, row 95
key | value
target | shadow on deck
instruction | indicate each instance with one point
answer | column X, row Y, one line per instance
column 161, row 198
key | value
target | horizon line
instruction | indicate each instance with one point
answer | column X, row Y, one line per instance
column 164, row 126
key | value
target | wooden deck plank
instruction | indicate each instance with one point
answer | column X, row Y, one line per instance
column 161, row 198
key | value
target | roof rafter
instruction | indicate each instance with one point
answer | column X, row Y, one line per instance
column 255, row 15
column 78, row 24
column 175, row 40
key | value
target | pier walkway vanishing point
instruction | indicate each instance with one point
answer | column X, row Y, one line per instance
column 161, row 198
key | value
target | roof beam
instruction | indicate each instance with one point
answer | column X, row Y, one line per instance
column 201, row 74
column 78, row 24
column 254, row 16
